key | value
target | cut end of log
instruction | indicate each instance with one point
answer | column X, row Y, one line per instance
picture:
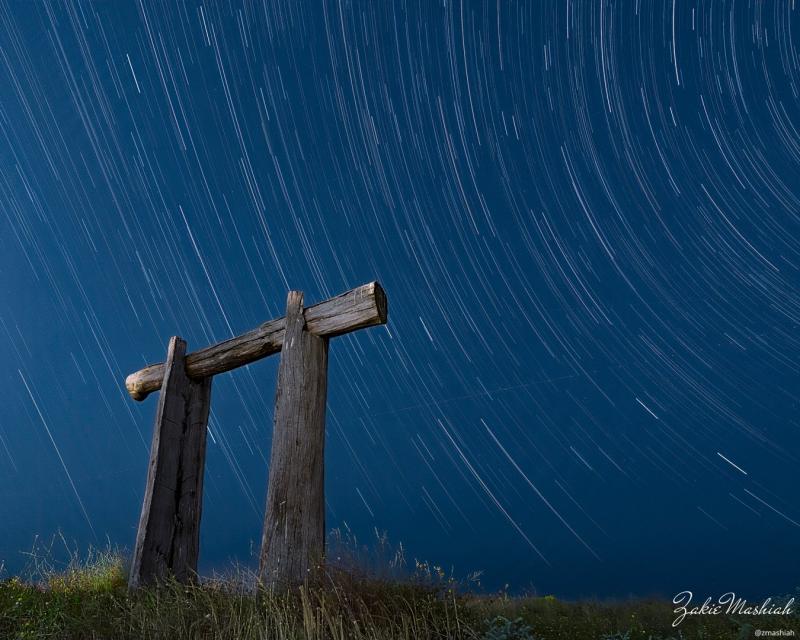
column 133, row 388
column 381, row 302
column 142, row 383
column 294, row 300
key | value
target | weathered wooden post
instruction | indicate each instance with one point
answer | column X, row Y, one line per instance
column 294, row 527
column 168, row 538
column 293, row 540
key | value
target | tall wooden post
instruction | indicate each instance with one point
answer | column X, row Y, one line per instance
column 293, row 540
column 167, row 541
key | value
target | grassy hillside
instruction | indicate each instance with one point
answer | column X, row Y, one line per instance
column 90, row 600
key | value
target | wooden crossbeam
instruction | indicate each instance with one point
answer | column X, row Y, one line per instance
column 364, row 306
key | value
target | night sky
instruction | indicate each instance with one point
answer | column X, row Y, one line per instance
column 586, row 217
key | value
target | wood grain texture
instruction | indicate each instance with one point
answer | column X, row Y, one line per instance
column 364, row 306
column 293, row 540
column 186, row 539
column 167, row 540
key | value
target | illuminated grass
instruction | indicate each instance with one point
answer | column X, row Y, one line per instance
column 89, row 599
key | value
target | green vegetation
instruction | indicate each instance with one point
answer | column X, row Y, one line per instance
column 89, row 599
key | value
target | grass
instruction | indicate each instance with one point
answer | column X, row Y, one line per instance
column 89, row 599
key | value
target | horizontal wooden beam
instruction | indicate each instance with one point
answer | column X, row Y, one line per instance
column 364, row 306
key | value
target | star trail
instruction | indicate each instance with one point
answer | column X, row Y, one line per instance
column 586, row 216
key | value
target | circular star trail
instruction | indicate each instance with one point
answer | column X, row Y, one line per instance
column 586, row 216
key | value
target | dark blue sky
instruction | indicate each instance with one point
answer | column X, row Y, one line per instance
column 586, row 216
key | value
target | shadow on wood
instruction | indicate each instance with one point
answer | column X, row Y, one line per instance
column 167, row 541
